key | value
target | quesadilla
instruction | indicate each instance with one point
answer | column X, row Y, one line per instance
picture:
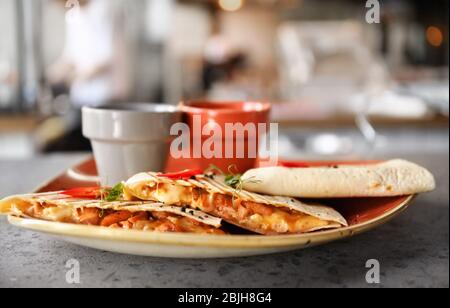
column 386, row 179
column 255, row 212
column 135, row 215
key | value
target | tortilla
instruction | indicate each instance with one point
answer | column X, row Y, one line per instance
column 269, row 214
column 391, row 178
column 62, row 208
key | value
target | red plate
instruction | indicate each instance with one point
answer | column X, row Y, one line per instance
column 355, row 210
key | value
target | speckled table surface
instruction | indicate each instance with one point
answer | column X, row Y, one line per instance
column 412, row 249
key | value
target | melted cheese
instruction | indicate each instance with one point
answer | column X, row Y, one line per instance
column 172, row 194
column 57, row 213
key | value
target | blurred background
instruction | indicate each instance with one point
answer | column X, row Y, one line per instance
column 341, row 86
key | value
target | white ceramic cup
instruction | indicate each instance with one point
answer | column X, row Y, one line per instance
column 129, row 138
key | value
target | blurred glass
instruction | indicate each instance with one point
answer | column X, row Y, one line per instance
column 327, row 62
column 331, row 64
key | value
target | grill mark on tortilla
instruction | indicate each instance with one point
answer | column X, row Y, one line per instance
column 327, row 213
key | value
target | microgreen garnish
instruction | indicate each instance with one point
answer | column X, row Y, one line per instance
column 233, row 180
column 115, row 193
column 103, row 193
column 212, row 169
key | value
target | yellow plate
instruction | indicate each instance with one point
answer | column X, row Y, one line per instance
column 176, row 245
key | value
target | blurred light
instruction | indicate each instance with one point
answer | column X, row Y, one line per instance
column 231, row 5
column 434, row 36
column 330, row 144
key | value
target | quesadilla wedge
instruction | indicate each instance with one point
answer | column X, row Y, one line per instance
column 136, row 215
column 386, row 179
column 255, row 212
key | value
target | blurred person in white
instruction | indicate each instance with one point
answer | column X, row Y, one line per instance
column 92, row 66
column 92, row 53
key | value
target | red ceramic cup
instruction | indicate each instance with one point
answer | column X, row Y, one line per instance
column 200, row 115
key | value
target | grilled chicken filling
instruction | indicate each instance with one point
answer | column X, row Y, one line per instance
column 143, row 220
column 254, row 216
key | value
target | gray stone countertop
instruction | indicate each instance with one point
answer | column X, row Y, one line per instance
column 412, row 249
